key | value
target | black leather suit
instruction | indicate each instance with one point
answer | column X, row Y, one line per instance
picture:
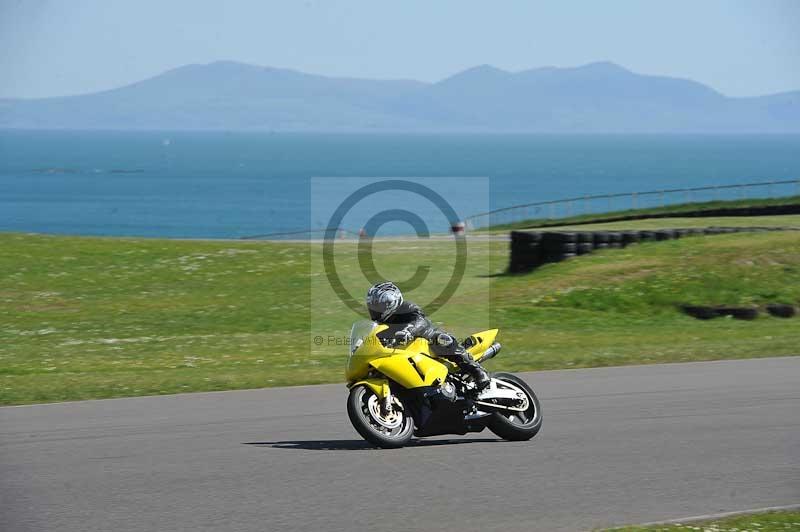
column 411, row 319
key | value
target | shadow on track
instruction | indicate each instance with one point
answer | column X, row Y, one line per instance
column 357, row 445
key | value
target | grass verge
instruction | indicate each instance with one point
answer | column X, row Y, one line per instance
column 103, row 317
column 787, row 220
column 761, row 522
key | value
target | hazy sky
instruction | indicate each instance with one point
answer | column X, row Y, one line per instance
column 57, row 47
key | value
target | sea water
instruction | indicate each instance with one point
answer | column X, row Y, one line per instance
column 231, row 185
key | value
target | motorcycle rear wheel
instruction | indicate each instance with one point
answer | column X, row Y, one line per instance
column 517, row 426
column 389, row 431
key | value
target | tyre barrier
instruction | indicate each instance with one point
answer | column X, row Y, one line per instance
column 601, row 237
column 703, row 312
column 531, row 249
column 739, row 313
column 700, row 312
column 525, row 250
column 647, row 236
column 779, row 310
column 569, row 247
column 665, row 234
column 556, row 245
column 706, row 313
column 630, row 237
column 560, row 237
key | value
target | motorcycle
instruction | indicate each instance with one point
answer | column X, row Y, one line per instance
column 398, row 392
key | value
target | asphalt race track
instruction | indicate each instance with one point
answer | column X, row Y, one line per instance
column 618, row 445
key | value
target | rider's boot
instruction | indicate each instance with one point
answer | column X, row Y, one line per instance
column 481, row 377
column 472, row 367
column 446, row 346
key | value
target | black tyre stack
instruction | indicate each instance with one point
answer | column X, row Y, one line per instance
column 601, row 239
column 630, row 237
column 526, row 252
column 529, row 250
column 558, row 246
column 665, row 234
column 782, row 310
column 585, row 242
column 647, row 236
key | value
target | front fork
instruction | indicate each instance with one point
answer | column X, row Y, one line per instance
column 387, row 401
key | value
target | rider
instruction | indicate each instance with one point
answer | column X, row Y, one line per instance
column 386, row 305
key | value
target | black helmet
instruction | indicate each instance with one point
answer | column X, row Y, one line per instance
column 383, row 299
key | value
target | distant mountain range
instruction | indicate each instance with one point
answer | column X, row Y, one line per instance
column 594, row 98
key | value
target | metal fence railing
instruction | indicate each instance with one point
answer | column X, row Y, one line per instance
column 607, row 203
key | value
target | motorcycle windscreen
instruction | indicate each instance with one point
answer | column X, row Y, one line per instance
column 364, row 347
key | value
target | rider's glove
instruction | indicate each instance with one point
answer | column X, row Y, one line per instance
column 402, row 337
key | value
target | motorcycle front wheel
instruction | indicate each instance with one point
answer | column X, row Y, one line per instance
column 514, row 425
column 384, row 429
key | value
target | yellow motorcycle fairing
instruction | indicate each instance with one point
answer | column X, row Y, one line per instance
column 410, row 367
column 379, row 386
column 481, row 342
column 411, row 370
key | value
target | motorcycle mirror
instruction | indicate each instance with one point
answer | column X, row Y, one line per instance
column 444, row 340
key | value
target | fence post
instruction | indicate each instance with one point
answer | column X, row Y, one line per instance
column 633, row 200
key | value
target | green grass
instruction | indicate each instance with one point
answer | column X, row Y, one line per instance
column 652, row 211
column 787, row 220
column 762, row 522
column 93, row 318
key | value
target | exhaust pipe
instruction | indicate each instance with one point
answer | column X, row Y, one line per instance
column 489, row 353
